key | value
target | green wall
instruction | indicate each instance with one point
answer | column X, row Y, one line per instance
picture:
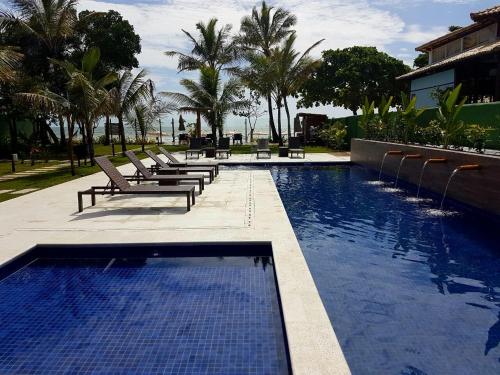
column 486, row 114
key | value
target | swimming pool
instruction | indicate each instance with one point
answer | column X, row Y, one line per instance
column 70, row 312
column 407, row 291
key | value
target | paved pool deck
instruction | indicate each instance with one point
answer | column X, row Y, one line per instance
column 241, row 205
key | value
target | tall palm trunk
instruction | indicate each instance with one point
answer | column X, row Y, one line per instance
column 62, row 134
column 278, row 104
column 287, row 110
column 71, row 125
column 213, row 125
column 13, row 134
column 271, row 118
column 83, row 133
column 107, row 136
column 220, row 121
column 122, row 134
column 90, row 143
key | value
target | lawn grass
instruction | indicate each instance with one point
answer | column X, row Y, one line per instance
column 59, row 176
column 6, row 167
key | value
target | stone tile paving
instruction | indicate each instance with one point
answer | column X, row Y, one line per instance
column 238, row 206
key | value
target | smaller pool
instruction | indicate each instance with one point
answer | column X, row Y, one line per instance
column 67, row 310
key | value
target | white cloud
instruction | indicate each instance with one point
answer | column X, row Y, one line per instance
column 341, row 23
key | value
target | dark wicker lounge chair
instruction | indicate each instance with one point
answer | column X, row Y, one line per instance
column 295, row 147
column 143, row 174
column 223, row 149
column 174, row 162
column 119, row 185
column 164, row 168
column 263, row 148
column 195, row 148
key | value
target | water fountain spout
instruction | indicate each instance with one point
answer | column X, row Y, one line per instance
column 465, row 167
column 428, row 161
column 410, row 156
column 469, row 167
column 391, row 152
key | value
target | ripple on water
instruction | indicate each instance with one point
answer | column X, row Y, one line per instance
column 418, row 200
column 376, row 183
column 390, row 190
column 439, row 213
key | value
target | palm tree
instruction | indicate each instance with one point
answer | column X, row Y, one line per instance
column 260, row 76
column 9, row 62
column 51, row 23
column 212, row 48
column 86, row 100
column 262, row 31
column 292, row 71
column 128, row 92
column 144, row 115
column 221, row 98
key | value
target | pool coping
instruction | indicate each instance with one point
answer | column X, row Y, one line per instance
column 313, row 345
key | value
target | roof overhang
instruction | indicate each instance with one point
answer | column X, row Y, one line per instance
column 490, row 13
column 482, row 50
column 454, row 35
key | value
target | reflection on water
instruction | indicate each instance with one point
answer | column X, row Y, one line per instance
column 375, row 183
column 418, row 200
column 437, row 212
column 410, row 289
column 391, row 190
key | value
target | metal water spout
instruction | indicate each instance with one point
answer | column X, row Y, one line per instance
column 410, row 156
column 392, row 152
column 466, row 167
column 428, row 161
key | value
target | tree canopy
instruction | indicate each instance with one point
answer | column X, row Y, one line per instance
column 347, row 76
column 114, row 36
column 212, row 47
column 421, row 60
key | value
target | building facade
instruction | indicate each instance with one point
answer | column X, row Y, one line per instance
column 469, row 55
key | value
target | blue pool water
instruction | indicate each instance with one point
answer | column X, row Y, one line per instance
column 407, row 292
column 142, row 316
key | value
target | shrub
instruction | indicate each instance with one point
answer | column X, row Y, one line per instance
column 334, row 135
column 450, row 106
column 476, row 137
column 101, row 139
column 430, row 134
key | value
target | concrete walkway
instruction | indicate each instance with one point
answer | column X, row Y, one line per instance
column 238, row 206
column 340, row 157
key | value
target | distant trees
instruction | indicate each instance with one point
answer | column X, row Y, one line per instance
column 260, row 32
column 213, row 48
column 217, row 99
column 345, row 77
column 45, row 52
column 251, row 110
column 114, row 36
column 128, row 92
column 85, row 101
column 421, row 60
column 293, row 70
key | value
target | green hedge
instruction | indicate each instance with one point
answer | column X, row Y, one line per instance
column 485, row 114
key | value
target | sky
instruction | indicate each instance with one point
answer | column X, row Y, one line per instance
column 393, row 26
